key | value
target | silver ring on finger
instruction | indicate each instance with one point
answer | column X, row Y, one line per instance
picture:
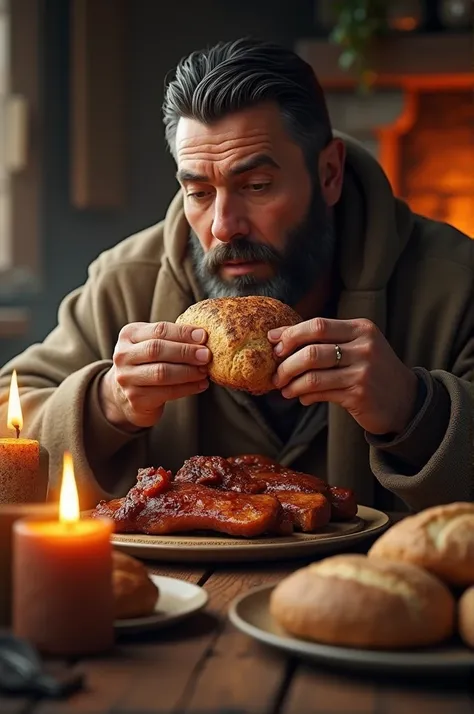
column 338, row 352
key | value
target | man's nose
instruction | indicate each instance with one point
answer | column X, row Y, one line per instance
column 228, row 222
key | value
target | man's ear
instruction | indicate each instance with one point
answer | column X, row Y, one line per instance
column 331, row 171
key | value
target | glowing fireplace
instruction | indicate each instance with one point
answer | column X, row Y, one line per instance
column 437, row 159
column 418, row 121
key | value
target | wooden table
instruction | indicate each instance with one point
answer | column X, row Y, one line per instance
column 205, row 665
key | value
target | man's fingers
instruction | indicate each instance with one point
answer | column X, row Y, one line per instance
column 159, row 374
column 154, row 351
column 317, row 330
column 150, row 399
column 313, row 356
column 140, row 331
column 319, row 380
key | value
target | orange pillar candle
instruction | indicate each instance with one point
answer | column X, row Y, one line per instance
column 62, row 579
column 21, row 480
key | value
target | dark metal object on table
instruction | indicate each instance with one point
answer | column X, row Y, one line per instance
column 22, row 672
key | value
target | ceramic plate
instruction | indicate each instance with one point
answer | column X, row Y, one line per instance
column 177, row 599
column 220, row 548
column 250, row 614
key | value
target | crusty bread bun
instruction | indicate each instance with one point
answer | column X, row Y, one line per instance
column 439, row 539
column 466, row 617
column 354, row 601
column 237, row 327
column 135, row 595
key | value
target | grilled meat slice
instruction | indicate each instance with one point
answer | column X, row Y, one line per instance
column 277, row 477
column 308, row 511
column 306, row 514
column 184, row 507
column 257, row 461
column 218, row 472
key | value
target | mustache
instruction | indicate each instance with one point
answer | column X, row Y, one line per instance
column 240, row 249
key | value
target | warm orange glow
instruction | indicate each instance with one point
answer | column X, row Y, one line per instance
column 68, row 499
column 430, row 157
column 14, row 415
column 403, row 24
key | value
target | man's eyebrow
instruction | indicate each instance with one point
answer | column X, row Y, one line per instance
column 254, row 162
column 185, row 175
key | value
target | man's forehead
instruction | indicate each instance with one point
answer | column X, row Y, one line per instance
column 255, row 129
column 196, row 140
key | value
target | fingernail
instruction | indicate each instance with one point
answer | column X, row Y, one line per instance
column 275, row 334
column 202, row 355
column 279, row 348
column 197, row 335
column 275, row 380
column 203, row 370
column 203, row 385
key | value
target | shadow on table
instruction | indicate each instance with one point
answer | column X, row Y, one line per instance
column 447, row 680
column 199, row 625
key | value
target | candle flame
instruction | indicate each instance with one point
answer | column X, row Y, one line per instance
column 68, row 499
column 14, row 415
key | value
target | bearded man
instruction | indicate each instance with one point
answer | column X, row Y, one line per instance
column 375, row 389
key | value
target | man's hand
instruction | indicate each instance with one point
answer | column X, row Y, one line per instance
column 369, row 380
column 153, row 364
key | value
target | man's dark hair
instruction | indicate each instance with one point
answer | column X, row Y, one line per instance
column 231, row 76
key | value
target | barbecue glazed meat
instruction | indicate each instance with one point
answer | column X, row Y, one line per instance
column 277, row 477
column 183, row 507
column 219, row 473
column 289, row 480
column 222, row 474
column 343, row 503
column 308, row 511
column 256, row 461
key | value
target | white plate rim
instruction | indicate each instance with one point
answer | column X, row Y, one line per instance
column 157, row 620
column 404, row 661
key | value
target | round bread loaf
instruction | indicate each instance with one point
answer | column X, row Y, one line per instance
column 237, row 327
column 439, row 539
column 466, row 617
column 135, row 595
column 354, row 601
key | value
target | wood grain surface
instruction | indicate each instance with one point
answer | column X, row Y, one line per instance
column 203, row 665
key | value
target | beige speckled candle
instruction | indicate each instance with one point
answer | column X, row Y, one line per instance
column 20, row 471
column 23, row 477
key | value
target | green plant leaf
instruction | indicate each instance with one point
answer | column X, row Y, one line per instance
column 359, row 22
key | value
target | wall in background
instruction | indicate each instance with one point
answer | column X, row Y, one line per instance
column 71, row 239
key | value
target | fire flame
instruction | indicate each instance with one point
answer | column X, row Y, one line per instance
column 14, row 415
column 68, row 499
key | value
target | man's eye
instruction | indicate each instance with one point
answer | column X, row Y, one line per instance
column 258, row 187
column 198, row 195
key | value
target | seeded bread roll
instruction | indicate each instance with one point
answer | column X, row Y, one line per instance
column 242, row 356
column 355, row 601
column 439, row 539
column 135, row 595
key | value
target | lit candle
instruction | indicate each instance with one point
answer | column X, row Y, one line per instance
column 9, row 513
column 62, row 578
column 21, row 479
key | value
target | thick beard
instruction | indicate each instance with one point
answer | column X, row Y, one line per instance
column 308, row 256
